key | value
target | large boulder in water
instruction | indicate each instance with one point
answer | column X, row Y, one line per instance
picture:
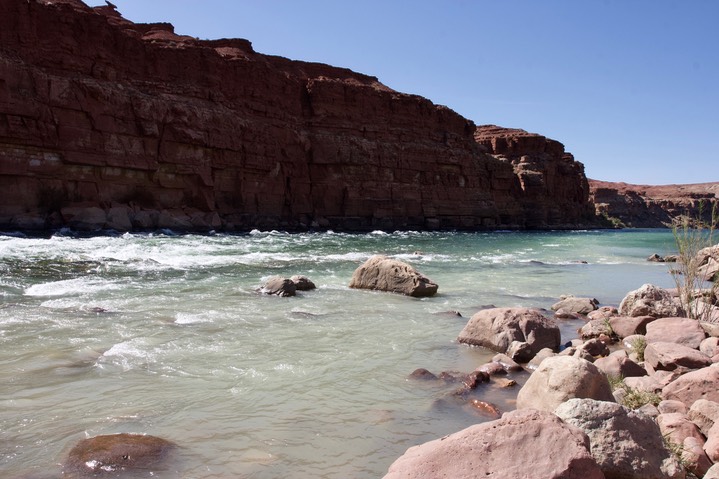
column 521, row 444
column 387, row 274
column 279, row 286
column 111, row 454
column 498, row 328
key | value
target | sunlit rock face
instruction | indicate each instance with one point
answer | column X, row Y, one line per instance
column 105, row 123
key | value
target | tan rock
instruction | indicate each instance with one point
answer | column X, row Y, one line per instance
column 625, row 444
column 561, row 378
column 704, row 414
column 497, row 328
column 650, row 300
column 387, row 274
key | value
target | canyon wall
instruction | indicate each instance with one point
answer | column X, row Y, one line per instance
column 643, row 206
column 107, row 124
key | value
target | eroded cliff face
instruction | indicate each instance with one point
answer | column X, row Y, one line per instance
column 109, row 124
column 644, row 206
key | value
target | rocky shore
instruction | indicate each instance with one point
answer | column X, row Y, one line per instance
column 635, row 396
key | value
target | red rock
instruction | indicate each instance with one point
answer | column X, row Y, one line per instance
column 97, row 111
column 643, row 206
column 624, row 326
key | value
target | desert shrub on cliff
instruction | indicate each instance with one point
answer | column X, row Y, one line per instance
column 692, row 235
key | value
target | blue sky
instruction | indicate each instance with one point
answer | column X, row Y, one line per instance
column 629, row 86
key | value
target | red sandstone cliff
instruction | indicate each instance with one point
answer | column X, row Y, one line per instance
column 643, row 206
column 109, row 124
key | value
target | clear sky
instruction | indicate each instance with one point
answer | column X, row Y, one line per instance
column 629, row 86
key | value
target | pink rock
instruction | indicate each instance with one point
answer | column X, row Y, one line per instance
column 618, row 366
column 674, row 356
column 677, row 427
column 388, row 274
column 710, row 347
column 490, row 449
column 624, row 326
column 699, row 384
column 684, row 331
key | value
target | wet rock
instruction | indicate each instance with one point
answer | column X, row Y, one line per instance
column 685, row 331
column 673, row 357
column 278, row 286
column 504, row 382
column 541, row 356
column 625, row 444
column 110, row 454
column 485, row 408
column 497, row 328
column 561, row 378
column 387, row 274
column 576, row 305
column 492, row 368
column 422, row 374
column 655, row 258
column 507, row 363
column 302, row 283
column 490, row 450
column 650, row 300
column 694, row 385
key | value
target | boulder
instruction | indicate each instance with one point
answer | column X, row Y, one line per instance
column 279, row 286
column 302, row 283
column 624, row 326
column 704, row 414
column 694, row 385
column 708, row 261
column 595, row 328
column 115, row 453
column 576, row 305
column 603, row 312
column 625, row 444
column 491, row 450
column 711, row 447
column 674, row 357
column 497, row 328
column 712, row 473
column 561, row 378
column 668, row 406
column 710, row 346
column 618, row 366
column 650, row 300
column 387, row 274
column 685, row 331
column 676, row 427
column 694, row 457
column 594, row 347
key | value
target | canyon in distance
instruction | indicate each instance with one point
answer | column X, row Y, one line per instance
column 107, row 124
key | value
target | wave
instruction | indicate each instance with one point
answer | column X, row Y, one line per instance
column 70, row 287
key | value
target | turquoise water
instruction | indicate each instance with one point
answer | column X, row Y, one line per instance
column 165, row 335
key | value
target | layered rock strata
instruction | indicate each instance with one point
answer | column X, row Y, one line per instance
column 105, row 123
column 643, row 206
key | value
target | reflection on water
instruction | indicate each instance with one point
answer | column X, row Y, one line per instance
column 165, row 335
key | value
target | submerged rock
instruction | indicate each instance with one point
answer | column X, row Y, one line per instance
column 111, row 454
column 387, row 274
column 279, row 286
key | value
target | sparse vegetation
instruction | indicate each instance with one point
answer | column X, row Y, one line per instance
column 691, row 235
column 633, row 398
column 638, row 346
